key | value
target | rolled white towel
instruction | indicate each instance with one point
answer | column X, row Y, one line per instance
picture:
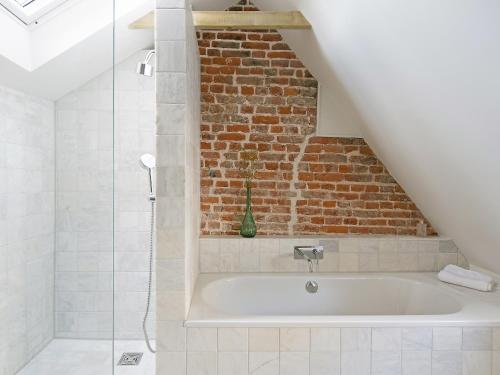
column 456, row 275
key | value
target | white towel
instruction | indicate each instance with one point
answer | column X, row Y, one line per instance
column 456, row 275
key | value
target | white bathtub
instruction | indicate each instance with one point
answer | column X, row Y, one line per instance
column 280, row 300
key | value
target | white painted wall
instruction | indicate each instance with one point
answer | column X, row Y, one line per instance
column 424, row 78
column 26, row 227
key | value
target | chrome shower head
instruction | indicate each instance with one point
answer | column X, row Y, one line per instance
column 144, row 68
column 148, row 161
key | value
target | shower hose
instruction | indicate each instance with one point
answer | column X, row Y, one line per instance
column 150, row 281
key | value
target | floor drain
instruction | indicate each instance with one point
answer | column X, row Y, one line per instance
column 130, row 359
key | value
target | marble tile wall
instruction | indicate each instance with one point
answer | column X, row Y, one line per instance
column 341, row 254
column 343, row 351
column 177, row 142
column 26, row 227
column 84, row 216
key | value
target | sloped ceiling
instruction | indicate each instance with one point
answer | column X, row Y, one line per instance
column 424, row 78
column 71, row 47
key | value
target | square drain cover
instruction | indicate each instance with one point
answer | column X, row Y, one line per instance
column 130, row 359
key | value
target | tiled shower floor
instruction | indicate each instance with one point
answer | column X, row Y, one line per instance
column 88, row 357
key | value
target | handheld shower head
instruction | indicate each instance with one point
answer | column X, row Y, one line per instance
column 144, row 68
column 148, row 161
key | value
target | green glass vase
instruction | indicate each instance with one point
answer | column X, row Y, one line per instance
column 248, row 228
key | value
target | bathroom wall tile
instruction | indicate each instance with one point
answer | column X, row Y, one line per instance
column 496, row 362
column 428, row 246
column 269, row 254
column 173, row 56
column 294, row 339
column 349, row 245
column 477, row 338
column 171, row 336
column 171, row 88
column 389, row 262
column 264, row 339
column 368, row 262
column 209, row 254
column 229, row 260
column 386, row 363
column 476, row 363
column 418, row 338
column 233, row 339
column 176, row 361
column 386, row 339
column 329, row 245
column 201, row 339
column 355, row 362
column 325, row 363
column 171, row 119
column 232, row 363
column 264, row 363
column 368, row 245
column 325, row 339
column 447, row 338
column 447, row 362
column 348, row 262
column 355, row 339
column 408, row 262
column 427, row 262
column 417, row 362
column 330, row 262
column 170, row 24
column 496, row 338
column 202, row 363
column 409, row 246
column 294, row 363
column 447, row 246
column 249, row 255
column 388, row 246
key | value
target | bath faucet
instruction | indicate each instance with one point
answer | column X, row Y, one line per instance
column 309, row 253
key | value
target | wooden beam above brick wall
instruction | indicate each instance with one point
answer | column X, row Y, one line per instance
column 237, row 20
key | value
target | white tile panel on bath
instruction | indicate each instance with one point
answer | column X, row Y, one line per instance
column 417, row 338
column 232, row 339
column 447, row 338
column 294, row 339
column 476, row 363
column 294, row 363
column 417, row 362
column 264, row 339
column 325, row 339
column 202, row 339
column 355, row 362
column 232, row 363
column 477, row 338
column 386, row 339
column 446, row 362
column 264, row 363
column 355, row 339
column 386, row 363
column 325, row 363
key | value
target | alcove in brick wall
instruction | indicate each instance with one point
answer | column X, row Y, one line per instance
column 256, row 94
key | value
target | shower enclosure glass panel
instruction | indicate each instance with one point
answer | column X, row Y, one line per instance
column 134, row 200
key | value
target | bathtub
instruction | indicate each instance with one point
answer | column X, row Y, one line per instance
column 350, row 300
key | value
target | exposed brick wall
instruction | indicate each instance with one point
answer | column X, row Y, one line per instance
column 257, row 95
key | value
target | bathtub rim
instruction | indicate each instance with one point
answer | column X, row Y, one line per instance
column 479, row 308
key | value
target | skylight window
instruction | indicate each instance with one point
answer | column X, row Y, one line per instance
column 30, row 11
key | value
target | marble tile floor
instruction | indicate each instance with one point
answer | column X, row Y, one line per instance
column 88, row 357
